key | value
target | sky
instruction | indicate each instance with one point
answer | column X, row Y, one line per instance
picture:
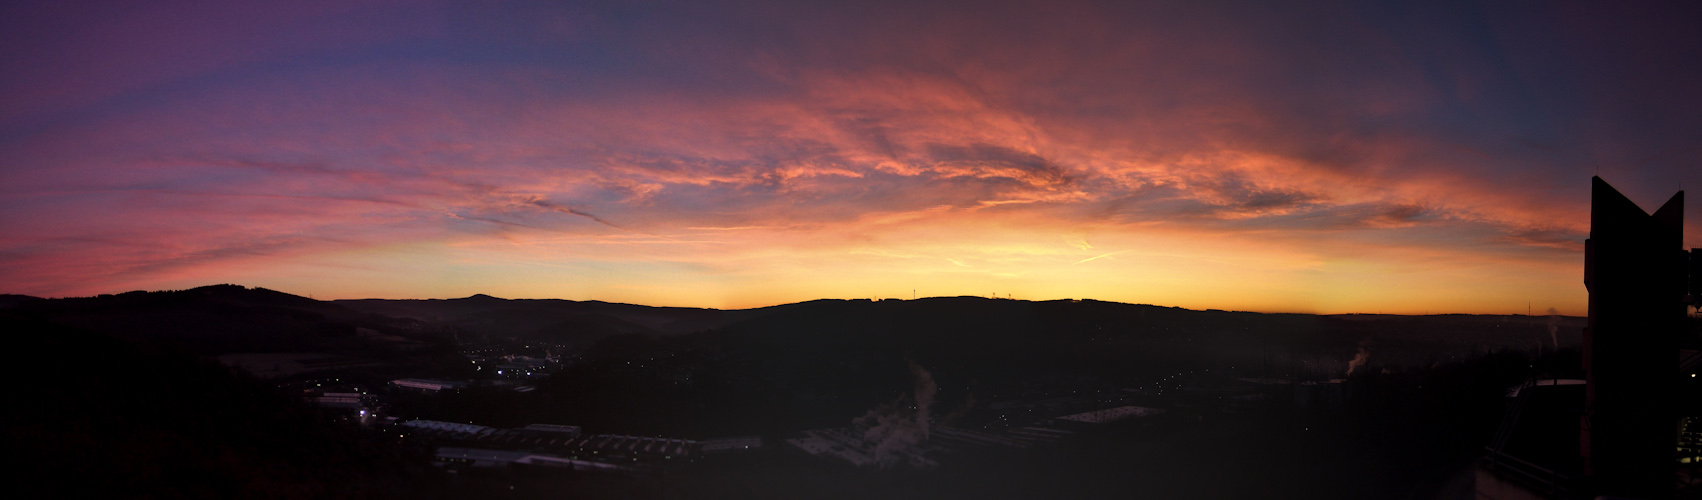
column 1325, row 157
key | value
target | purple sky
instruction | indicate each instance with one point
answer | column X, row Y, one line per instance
column 1321, row 156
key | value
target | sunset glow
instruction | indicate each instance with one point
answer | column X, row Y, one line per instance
column 1328, row 159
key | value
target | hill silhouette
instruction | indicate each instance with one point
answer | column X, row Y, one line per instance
column 223, row 319
column 9, row 300
column 568, row 321
column 220, row 319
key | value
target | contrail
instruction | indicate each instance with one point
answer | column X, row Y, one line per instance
column 1101, row 257
column 499, row 222
column 735, row 228
column 571, row 210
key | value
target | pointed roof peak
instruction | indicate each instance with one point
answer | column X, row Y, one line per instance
column 1602, row 192
column 1604, row 195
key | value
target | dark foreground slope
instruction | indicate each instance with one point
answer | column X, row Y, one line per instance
column 1421, row 403
column 112, row 418
column 136, row 409
column 822, row 363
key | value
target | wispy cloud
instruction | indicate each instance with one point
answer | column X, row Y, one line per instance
column 1101, row 256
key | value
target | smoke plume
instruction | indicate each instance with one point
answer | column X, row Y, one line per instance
column 1358, row 359
column 896, row 427
column 1554, row 327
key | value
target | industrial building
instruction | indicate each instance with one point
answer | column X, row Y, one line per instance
column 478, row 457
column 634, row 447
column 1109, row 415
column 553, row 445
column 730, row 444
column 448, row 428
column 339, row 400
column 855, row 445
column 427, row 384
column 570, row 430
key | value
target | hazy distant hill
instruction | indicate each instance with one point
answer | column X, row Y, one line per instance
column 972, row 331
column 561, row 321
column 1081, row 332
column 230, row 318
column 9, row 300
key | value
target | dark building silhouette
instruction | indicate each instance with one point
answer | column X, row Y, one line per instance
column 1620, row 433
column 1635, row 271
column 1696, row 278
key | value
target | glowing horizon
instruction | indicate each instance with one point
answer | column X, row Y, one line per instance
column 1328, row 159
